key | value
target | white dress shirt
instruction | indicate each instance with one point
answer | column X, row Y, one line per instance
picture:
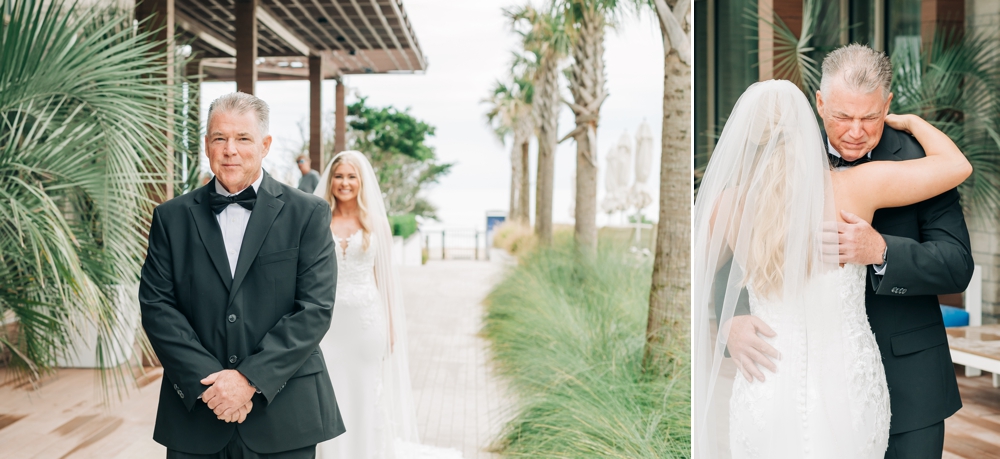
column 879, row 269
column 233, row 222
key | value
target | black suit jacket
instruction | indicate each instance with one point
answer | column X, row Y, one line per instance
column 928, row 255
column 266, row 321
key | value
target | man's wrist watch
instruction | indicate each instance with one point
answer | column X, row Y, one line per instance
column 884, row 252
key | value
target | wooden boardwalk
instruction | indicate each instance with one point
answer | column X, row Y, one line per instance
column 64, row 417
column 459, row 403
column 974, row 432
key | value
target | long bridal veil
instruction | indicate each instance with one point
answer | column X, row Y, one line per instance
column 397, row 395
column 758, row 231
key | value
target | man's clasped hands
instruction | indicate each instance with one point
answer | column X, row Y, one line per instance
column 229, row 395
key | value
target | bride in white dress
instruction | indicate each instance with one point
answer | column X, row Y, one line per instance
column 365, row 348
column 763, row 213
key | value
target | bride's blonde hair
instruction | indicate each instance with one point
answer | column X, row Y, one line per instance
column 765, row 259
column 349, row 158
column 768, row 225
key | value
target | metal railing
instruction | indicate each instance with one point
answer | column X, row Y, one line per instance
column 455, row 244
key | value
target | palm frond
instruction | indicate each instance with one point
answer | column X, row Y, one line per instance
column 955, row 85
column 83, row 143
column 790, row 52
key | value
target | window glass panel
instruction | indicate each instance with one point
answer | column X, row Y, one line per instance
column 862, row 22
column 902, row 19
column 735, row 55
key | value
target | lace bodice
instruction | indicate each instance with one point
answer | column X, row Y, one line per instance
column 356, row 286
column 355, row 265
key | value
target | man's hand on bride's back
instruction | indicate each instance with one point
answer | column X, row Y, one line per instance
column 860, row 243
column 748, row 349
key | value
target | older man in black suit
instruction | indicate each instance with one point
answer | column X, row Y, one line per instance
column 913, row 253
column 237, row 290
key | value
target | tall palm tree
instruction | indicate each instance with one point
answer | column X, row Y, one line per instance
column 81, row 145
column 546, row 44
column 509, row 115
column 670, row 292
column 587, row 20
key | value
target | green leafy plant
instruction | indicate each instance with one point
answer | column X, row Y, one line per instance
column 82, row 145
column 955, row 85
column 403, row 225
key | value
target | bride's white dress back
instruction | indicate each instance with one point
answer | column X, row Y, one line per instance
column 823, row 402
column 758, row 233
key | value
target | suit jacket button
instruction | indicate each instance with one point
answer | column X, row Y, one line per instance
column 176, row 388
column 232, row 318
column 232, row 359
column 902, row 291
column 181, row 394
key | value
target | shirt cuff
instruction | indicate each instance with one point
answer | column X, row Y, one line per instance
column 880, row 269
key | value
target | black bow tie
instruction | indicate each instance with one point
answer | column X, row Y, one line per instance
column 837, row 161
column 245, row 199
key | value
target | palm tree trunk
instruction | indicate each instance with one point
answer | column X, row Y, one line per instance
column 515, row 178
column 546, row 103
column 587, row 86
column 524, row 195
column 670, row 293
column 512, row 212
column 523, row 128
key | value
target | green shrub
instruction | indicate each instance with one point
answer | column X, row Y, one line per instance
column 568, row 334
column 403, row 225
column 513, row 237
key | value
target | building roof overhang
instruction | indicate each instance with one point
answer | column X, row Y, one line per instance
column 351, row 36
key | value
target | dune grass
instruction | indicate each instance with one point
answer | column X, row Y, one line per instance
column 568, row 336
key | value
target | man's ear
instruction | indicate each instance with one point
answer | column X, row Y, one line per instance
column 819, row 103
column 888, row 103
column 267, row 145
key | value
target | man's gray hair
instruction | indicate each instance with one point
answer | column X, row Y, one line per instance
column 861, row 68
column 240, row 103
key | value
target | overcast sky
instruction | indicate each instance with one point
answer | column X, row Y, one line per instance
column 468, row 47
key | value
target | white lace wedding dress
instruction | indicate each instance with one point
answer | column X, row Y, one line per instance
column 806, row 398
column 355, row 347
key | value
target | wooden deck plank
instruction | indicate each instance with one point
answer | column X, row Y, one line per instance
column 65, row 417
column 974, row 432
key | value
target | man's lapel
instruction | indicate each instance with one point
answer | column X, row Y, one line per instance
column 211, row 235
column 887, row 146
column 264, row 211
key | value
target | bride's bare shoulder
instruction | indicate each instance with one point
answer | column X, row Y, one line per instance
column 851, row 189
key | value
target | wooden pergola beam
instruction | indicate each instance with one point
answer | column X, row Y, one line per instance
column 392, row 36
column 205, row 34
column 288, row 36
column 246, row 45
column 368, row 24
column 405, row 25
column 160, row 15
column 316, row 111
column 340, row 115
column 329, row 20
